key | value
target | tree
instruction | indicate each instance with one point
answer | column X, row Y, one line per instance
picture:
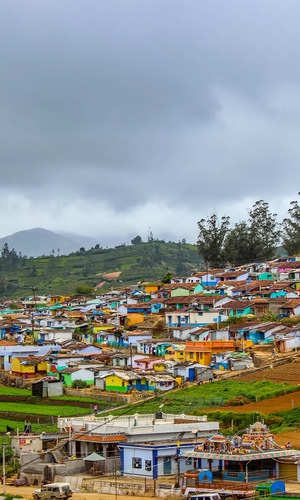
column 291, row 229
column 137, row 240
column 263, row 231
column 84, row 290
column 167, row 277
column 236, row 247
column 5, row 251
column 255, row 239
column 211, row 238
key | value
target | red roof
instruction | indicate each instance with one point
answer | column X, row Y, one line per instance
column 114, row 438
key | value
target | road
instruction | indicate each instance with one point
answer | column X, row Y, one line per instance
column 26, row 492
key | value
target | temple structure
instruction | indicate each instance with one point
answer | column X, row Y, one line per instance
column 250, row 457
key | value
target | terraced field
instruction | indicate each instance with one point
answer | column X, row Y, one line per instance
column 289, row 372
column 266, row 406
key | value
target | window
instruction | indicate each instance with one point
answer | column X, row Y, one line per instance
column 136, row 463
column 148, row 465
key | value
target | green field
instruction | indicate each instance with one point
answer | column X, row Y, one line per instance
column 14, row 391
column 103, row 405
column 20, row 425
column 192, row 399
column 39, row 409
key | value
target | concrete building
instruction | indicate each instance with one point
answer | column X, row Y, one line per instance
column 105, row 434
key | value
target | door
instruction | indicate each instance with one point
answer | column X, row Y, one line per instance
column 167, row 465
column 191, row 374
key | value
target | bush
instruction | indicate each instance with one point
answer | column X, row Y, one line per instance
column 79, row 384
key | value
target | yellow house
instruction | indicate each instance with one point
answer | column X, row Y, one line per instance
column 175, row 352
column 29, row 366
column 159, row 366
column 116, row 383
column 97, row 328
column 134, row 318
column 151, row 288
column 58, row 299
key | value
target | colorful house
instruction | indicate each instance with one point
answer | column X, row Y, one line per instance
column 202, row 352
column 265, row 276
column 145, row 363
column 70, row 375
column 126, row 381
column 29, row 366
column 175, row 352
column 134, row 318
column 194, row 318
column 59, row 299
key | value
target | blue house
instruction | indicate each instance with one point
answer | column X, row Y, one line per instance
column 153, row 461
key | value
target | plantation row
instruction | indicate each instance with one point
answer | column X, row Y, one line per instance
column 230, row 392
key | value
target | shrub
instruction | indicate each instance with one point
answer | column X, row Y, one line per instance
column 79, row 384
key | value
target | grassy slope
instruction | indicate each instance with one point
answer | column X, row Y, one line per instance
column 58, row 275
column 37, row 409
column 14, row 424
column 192, row 399
column 14, row 391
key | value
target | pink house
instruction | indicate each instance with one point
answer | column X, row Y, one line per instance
column 146, row 363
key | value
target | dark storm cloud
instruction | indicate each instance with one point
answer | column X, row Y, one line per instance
column 186, row 104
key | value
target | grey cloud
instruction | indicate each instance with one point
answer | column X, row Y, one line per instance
column 129, row 103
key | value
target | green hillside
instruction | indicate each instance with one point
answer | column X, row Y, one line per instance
column 61, row 274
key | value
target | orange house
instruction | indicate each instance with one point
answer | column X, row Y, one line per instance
column 201, row 352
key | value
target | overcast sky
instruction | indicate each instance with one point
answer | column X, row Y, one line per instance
column 121, row 115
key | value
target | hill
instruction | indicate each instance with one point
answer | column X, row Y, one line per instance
column 128, row 263
column 38, row 241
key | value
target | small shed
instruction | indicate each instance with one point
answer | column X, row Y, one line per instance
column 47, row 387
column 95, row 464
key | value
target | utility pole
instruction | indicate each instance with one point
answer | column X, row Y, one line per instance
column 32, row 318
column 3, row 468
column 130, row 347
column 115, row 474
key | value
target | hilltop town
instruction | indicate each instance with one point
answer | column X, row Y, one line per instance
column 91, row 385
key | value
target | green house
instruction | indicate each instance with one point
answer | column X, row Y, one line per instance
column 70, row 375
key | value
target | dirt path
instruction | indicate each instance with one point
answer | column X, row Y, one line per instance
column 26, row 492
column 289, row 436
column 266, row 406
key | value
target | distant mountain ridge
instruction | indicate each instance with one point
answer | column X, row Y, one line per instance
column 39, row 241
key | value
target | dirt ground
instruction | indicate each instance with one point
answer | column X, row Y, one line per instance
column 26, row 492
column 289, row 436
column 266, row 406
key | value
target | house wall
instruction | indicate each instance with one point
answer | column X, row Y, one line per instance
column 115, row 383
column 180, row 292
column 134, row 318
column 84, row 375
column 20, row 369
column 55, row 389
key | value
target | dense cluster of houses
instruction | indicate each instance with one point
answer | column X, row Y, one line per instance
column 155, row 336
